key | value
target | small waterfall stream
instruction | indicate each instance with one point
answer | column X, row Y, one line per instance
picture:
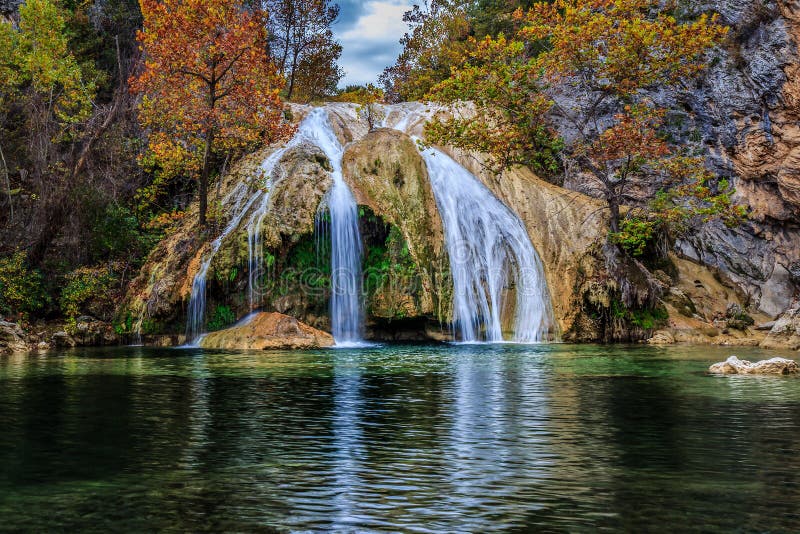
column 488, row 248
column 347, row 301
column 347, row 315
column 240, row 203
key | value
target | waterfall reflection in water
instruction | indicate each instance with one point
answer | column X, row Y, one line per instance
column 413, row 438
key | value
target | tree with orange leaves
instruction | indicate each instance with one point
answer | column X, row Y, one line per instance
column 207, row 85
column 592, row 64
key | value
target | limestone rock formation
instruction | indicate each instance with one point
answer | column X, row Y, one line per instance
column 266, row 331
column 785, row 332
column 387, row 174
column 773, row 366
column 301, row 181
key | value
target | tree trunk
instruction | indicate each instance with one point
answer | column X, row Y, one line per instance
column 291, row 78
column 613, row 207
column 203, row 189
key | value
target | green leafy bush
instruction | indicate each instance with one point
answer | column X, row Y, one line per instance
column 634, row 235
column 89, row 290
column 21, row 290
column 221, row 317
column 644, row 318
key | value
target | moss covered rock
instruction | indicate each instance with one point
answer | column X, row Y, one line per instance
column 387, row 174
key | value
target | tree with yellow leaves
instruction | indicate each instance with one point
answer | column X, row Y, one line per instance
column 592, row 63
column 207, row 85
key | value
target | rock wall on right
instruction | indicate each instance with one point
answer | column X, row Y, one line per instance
column 745, row 114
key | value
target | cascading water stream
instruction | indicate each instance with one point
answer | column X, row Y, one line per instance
column 255, row 248
column 240, row 201
column 347, row 316
column 347, row 306
column 488, row 247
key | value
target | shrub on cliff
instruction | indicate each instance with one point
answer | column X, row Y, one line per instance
column 21, row 288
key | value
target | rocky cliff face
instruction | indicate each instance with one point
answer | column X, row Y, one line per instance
column 747, row 109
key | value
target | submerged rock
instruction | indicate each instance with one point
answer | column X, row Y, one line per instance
column 773, row 366
column 268, row 331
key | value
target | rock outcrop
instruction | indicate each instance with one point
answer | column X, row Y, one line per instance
column 387, row 174
column 12, row 338
column 265, row 331
column 746, row 110
column 705, row 307
column 773, row 366
column 785, row 332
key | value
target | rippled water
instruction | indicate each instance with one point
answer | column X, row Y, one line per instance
column 410, row 438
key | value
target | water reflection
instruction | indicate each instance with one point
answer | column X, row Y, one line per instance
column 348, row 441
column 411, row 438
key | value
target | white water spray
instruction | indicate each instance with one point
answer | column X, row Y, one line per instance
column 347, row 303
column 240, row 201
column 489, row 248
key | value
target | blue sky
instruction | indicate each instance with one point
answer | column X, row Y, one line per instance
column 369, row 31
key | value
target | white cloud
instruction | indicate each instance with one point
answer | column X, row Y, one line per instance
column 372, row 43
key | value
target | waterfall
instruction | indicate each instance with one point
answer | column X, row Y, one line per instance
column 488, row 248
column 255, row 247
column 240, row 203
column 347, row 316
column 488, row 245
column 347, row 306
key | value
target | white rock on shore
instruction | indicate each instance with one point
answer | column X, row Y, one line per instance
column 773, row 366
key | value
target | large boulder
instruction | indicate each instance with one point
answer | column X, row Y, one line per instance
column 773, row 366
column 265, row 331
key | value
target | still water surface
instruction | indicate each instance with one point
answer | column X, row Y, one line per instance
column 397, row 438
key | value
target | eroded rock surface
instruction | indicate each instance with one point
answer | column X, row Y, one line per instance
column 387, row 173
column 266, row 331
column 785, row 332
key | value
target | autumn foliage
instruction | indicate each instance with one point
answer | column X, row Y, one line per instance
column 591, row 65
column 207, row 85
